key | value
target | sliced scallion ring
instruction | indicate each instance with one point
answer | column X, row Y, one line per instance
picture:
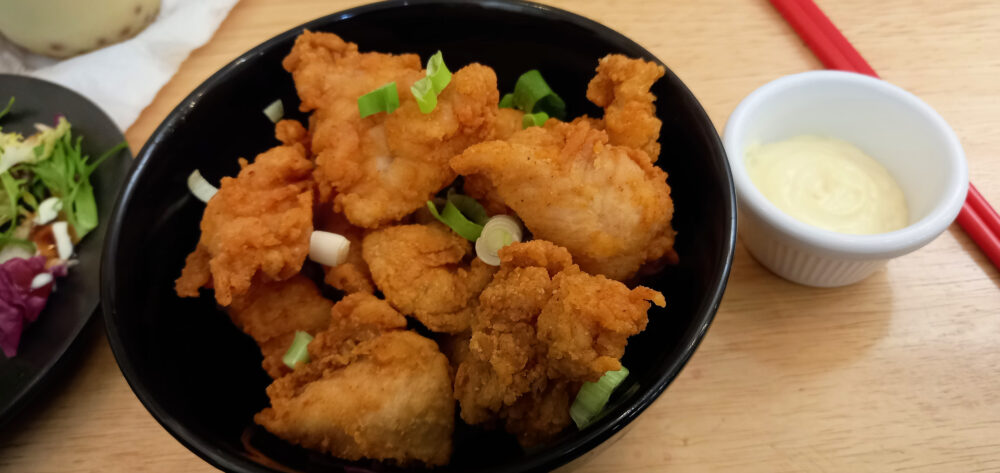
column 200, row 187
column 532, row 93
column 592, row 398
column 499, row 231
column 469, row 207
column 423, row 91
column 507, row 101
column 328, row 248
column 455, row 220
column 298, row 352
column 438, row 72
column 534, row 119
column 275, row 111
column 383, row 99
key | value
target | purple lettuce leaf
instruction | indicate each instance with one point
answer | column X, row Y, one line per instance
column 19, row 303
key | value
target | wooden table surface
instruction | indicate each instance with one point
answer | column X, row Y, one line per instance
column 900, row 372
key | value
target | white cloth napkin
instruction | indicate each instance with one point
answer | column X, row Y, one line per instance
column 124, row 78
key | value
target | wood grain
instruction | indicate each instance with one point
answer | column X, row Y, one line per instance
column 898, row 373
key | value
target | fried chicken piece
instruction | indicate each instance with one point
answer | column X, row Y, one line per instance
column 381, row 168
column 608, row 205
column 587, row 321
column 542, row 328
column 371, row 391
column 509, row 121
column 257, row 225
column 271, row 312
column 352, row 275
column 356, row 318
column 423, row 272
column 290, row 132
column 480, row 188
column 621, row 88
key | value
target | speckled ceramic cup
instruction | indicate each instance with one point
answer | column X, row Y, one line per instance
column 65, row 28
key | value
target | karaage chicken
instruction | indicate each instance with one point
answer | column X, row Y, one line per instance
column 381, row 168
column 256, row 226
column 608, row 205
column 621, row 88
column 352, row 275
column 514, row 343
column 542, row 328
column 424, row 272
column 371, row 390
column 271, row 312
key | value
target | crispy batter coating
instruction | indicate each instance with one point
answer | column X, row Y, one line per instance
column 621, row 88
column 257, row 225
column 381, row 168
column 290, row 132
column 422, row 271
column 352, row 275
column 271, row 312
column 356, row 318
column 542, row 328
column 587, row 321
column 608, row 205
column 508, row 122
column 370, row 391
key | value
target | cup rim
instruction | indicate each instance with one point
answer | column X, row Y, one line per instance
column 882, row 245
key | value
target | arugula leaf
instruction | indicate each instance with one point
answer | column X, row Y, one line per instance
column 66, row 174
column 8, row 211
column 49, row 163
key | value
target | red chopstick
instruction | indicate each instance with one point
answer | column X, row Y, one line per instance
column 977, row 218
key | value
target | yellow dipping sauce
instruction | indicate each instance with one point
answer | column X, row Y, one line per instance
column 828, row 183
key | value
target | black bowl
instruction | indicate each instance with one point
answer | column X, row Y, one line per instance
column 46, row 343
column 201, row 378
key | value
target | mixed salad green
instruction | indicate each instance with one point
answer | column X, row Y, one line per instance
column 47, row 205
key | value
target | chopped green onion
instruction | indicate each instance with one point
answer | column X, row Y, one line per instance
column 10, row 103
column 457, row 219
column 275, row 111
column 438, row 72
column 200, row 187
column 532, row 93
column 534, row 119
column 469, row 207
column 329, row 249
column 553, row 105
column 423, row 91
column 499, row 232
column 383, row 99
column 592, row 398
column 507, row 101
column 427, row 89
column 298, row 352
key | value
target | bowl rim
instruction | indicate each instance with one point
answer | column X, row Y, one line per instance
column 544, row 460
column 882, row 245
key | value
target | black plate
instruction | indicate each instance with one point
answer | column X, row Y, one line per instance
column 201, row 378
column 45, row 342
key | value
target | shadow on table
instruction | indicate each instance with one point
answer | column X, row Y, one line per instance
column 785, row 325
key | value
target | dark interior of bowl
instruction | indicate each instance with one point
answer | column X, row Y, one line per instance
column 45, row 341
column 201, row 377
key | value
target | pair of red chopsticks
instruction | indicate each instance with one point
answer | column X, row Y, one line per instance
column 977, row 218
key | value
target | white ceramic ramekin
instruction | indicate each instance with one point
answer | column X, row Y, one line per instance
column 888, row 123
